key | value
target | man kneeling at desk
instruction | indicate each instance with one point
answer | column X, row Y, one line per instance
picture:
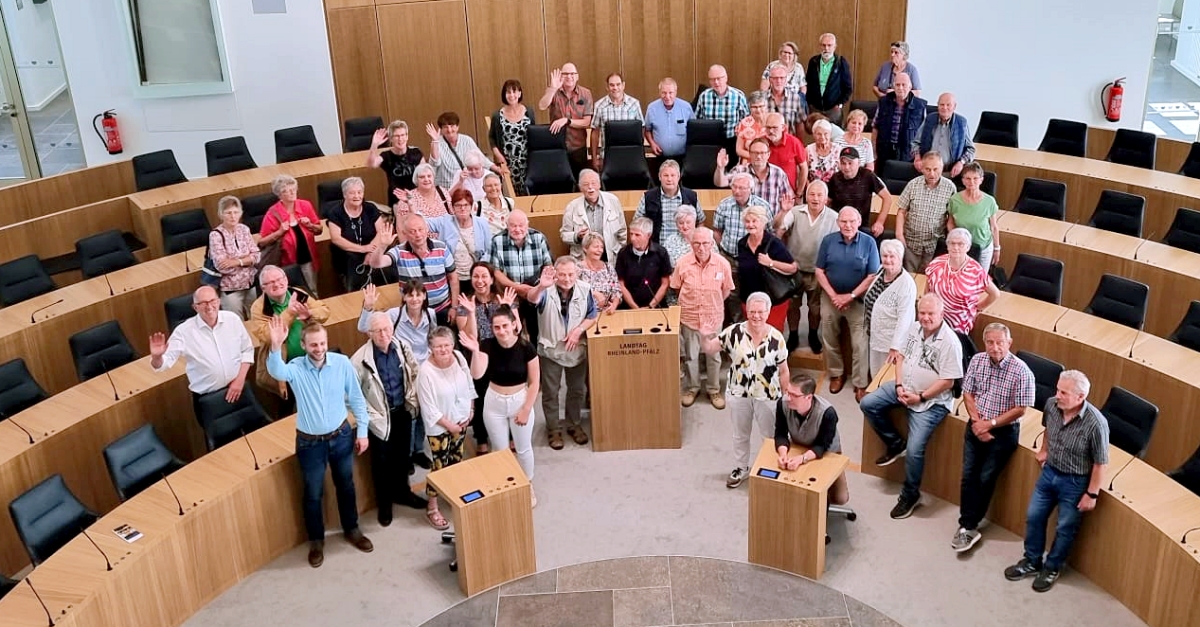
column 807, row 420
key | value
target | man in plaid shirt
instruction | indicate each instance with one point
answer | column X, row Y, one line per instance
column 617, row 105
column 724, row 103
column 785, row 99
column 996, row 390
column 921, row 215
column 727, row 221
column 768, row 180
column 519, row 254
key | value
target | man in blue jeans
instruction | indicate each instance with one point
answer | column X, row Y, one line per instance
column 1073, row 455
column 926, row 369
column 324, row 384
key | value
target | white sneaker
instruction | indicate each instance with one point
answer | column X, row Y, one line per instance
column 965, row 539
column 532, row 497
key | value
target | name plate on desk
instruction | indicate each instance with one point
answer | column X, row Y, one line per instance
column 768, row 473
column 472, row 496
column 633, row 348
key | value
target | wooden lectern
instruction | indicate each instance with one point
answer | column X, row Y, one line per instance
column 633, row 361
column 493, row 519
column 787, row 511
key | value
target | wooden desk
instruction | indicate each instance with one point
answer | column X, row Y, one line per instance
column 54, row 234
column 39, row 197
column 787, row 511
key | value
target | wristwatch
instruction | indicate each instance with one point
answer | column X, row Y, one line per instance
column 1094, row 495
column 993, row 421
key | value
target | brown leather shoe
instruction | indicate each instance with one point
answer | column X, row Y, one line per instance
column 316, row 553
column 578, row 434
column 836, row 384
column 556, row 441
column 360, row 541
column 859, row 393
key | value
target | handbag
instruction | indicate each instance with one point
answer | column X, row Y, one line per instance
column 209, row 274
column 781, row 287
column 271, row 254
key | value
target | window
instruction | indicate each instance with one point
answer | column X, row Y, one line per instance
column 176, row 47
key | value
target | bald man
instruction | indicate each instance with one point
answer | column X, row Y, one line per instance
column 217, row 347
column 948, row 135
column 723, row 102
column 570, row 105
column 897, row 119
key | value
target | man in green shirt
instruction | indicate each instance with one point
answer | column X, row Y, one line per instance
column 296, row 307
column 829, row 82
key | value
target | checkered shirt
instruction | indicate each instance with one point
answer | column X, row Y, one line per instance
column 730, row 108
column 1000, row 387
column 522, row 264
column 728, row 220
column 791, row 107
column 771, row 189
column 925, row 213
column 608, row 111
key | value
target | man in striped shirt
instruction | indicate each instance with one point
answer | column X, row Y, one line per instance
column 769, row 181
column 997, row 389
column 617, row 105
column 420, row 258
column 724, row 103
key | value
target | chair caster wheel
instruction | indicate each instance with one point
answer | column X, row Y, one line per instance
column 454, row 566
column 852, row 516
column 828, row 539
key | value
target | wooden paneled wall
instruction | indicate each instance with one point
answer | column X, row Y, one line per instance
column 413, row 59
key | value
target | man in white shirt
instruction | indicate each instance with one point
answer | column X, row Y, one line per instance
column 217, row 347
column 594, row 211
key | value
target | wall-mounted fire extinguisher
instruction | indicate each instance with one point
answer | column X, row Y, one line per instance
column 1110, row 99
column 111, row 135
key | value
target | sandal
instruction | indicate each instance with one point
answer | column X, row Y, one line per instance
column 556, row 441
column 482, row 448
column 436, row 520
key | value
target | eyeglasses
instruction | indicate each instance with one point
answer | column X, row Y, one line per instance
column 462, row 204
column 214, row 302
column 569, row 73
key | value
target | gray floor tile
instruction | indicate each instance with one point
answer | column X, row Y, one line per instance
column 477, row 611
column 632, row 572
column 642, row 607
column 573, row 609
column 800, row 622
column 707, row 589
column 541, row 583
column 863, row 615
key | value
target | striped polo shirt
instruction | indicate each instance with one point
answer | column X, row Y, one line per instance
column 1077, row 445
column 431, row 269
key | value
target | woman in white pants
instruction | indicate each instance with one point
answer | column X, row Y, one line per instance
column 511, row 367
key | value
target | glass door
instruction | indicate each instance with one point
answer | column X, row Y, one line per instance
column 18, row 155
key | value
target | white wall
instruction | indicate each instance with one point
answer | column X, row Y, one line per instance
column 1040, row 59
column 281, row 77
column 35, row 50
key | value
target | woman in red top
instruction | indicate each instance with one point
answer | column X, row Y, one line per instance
column 294, row 223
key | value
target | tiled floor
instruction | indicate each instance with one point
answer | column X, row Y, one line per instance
column 56, row 136
column 1172, row 101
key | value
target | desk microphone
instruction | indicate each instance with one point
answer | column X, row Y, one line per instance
column 177, row 501
column 17, row 425
column 45, row 609
column 666, row 317
column 1139, row 247
column 1055, row 329
column 1065, row 233
column 106, row 560
column 252, row 455
column 1136, row 337
column 108, row 375
column 1182, row 540
column 41, row 309
column 110, row 289
column 1035, row 440
column 1118, row 473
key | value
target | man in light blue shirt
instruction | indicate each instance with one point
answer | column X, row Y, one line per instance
column 666, row 123
column 324, row 384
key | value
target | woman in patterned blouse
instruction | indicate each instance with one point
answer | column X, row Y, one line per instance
column 855, row 137
column 427, row 199
column 960, row 281
column 235, row 254
column 495, row 206
column 679, row 243
column 822, row 156
column 593, row 270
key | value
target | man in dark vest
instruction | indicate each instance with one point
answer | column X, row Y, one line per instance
column 660, row 203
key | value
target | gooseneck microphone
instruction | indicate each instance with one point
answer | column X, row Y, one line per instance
column 666, row 317
column 1139, row 246
column 49, row 617
column 107, row 562
column 110, row 289
column 17, row 425
column 252, row 455
column 1136, row 336
column 1182, row 540
column 1118, row 473
column 1055, row 329
column 108, row 375
column 177, row 501
column 1035, row 439
column 32, row 319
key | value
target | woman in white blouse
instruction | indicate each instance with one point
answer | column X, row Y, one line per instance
column 446, row 394
column 891, row 306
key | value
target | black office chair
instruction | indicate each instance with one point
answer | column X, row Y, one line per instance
column 184, row 230
column 1191, row 164
column 254, row 209
column 1045, row 377
column 1133, row 148
column 1188, row 475
column 18, row 389
column 988, row 186
column 137, row 460
column 896, row 174
column 24, row 278
column 705, row 138
column 1131, row 420
column 1119, row 212
column 1188, row 332
column 7, row 585
column 1120, row 300
column 1037, row 277
column 295, row 277
column 548, row 170
column 223, row 422
column 1065, row 137
column 230, row 154
column 1046, row 199
column 868, row 107
column 100, row 349
column 48, row 516
column 156, row 169
column 328, row 194
column 1185, row 230
column 998, row 129
column 360, row 131
column 178, row 309
column 968, row 351
column 625, row 166
column 103, row 253
column 296, row 143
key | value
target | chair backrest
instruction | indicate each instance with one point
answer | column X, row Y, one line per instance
column 548, row 170
column 868, row 107
column 156, row 169
column 1133, row 148
column 1185, row 230
column 47, row 516
column 103, row 253
column 223, row 422
column 896, row 174
column 968, row 351
column 1119, row 212
column 295, row 277
column 1037, row 277
column 100, row 349
column 359, row 132
column 1046, row 199
column 1188, row 475
column 178, row 309
column 22, row 279
column 328, row 193
column 625, row 168
column 254, row 209
column 623, row 133
column 1065, row 137
column 230, row 154
column 184, row 230
column 998, row 129
column 18, row 389
column 1188, row 332
column 1131, row 420
column 1191, row 165
column 1120, row 300
column 296, row 143
column 1045, row 377
column 705, row 133
column 7, row 585
column 137, row 460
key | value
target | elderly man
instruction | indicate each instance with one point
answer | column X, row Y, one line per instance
column 921, row 215
column 570, row 106
column 664, row 200
column 295, row 307
column 448, row 150
column 703, row 281
column 897, row 119
column 325, row 386
column 1073, row 455
column 217, row 347
column 593, row 212
column 948, row 135
column 787, row 152
column 643, row 268
column 566, row 310
column 420, row 258
column 926, row 369
column 520, row 254
column 830, row 85
column 785, row 99
column 770, row 182
column 854, row 186
column 846, row 264
column 996, row 390
column 803, row 229
column 617, row 105
column 387, row 374
column 727, row 221
column 723, row 102
column 666, row 123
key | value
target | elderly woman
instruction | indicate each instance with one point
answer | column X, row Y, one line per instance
column 427, row 198
column 752, row 126
column 352, row 230
column 679, row 242
column 890, row 306
column 811, row 121
column 898, row 63
column 854, row 137
column 508, row 134
column 445, row 393
column 234, row 253
column 597, row 273
column 788, row 54
column 822, row 156
column 476, row 320
column 758, row 253
column 468, row 236
column 294, row 224
column 975, row 210
column 758, row 366
column 495, row 206
column 961, row 282
column 470, row 177
column 398, row 161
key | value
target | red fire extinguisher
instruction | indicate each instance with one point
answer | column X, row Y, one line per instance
column 111, row 135
column 1110, row 99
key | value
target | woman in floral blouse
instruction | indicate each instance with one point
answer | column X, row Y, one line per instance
column 235, row 255
column 606, row 288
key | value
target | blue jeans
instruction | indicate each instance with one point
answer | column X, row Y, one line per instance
column 982, row 464
column 1054, row 489
column 338, row 454
column 921, row 424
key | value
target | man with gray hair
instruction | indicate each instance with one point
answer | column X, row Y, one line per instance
column 643, row 268
column 803, row 229
column 666, row 122
column 723, row 102
column 664, row 200
column 703, row 281
column 948, row 134
column 830, row 85
column 845, row 267
column 996, row 390
column 593, row 211
column 296, row 308
column 215, row 344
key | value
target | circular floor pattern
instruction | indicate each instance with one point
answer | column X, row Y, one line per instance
column 659, row 591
